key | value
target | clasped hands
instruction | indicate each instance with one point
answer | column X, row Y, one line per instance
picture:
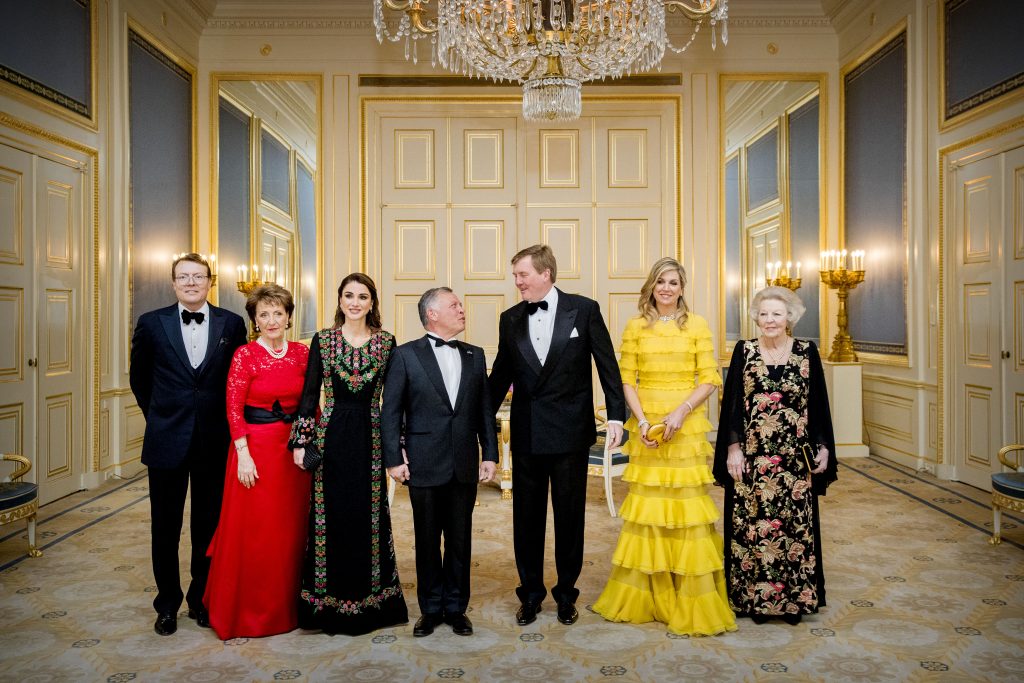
column 673, row 421
column 400, row 473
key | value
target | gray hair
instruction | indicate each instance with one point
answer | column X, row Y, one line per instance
column 427, row 302
column 794, row 307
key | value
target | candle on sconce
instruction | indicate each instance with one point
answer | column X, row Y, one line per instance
column 789, row 266
column 797, row 270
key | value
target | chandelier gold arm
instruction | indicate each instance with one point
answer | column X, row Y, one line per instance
column 703, row 9
column 415, row 9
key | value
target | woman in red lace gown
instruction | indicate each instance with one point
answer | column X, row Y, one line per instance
column 256, row 553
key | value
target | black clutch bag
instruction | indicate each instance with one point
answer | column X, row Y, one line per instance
column 312, row 458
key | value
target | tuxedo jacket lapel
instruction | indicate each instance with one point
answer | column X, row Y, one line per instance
column 522, row 332
column 429, row 363
column 213, row 342
column 467, row 371
column 565, row 319
column 172, row 328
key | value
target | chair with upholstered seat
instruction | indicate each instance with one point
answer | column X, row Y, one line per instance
column 611, row 462
column 20, row 500
column 1007, row 488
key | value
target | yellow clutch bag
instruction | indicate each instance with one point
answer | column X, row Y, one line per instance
column 656, row 432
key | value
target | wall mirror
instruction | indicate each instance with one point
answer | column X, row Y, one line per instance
column 772, row 142
column 266, row 206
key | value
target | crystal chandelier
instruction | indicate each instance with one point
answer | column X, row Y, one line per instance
column 552, row 47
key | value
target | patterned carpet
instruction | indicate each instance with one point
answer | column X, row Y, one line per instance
column 916, row 593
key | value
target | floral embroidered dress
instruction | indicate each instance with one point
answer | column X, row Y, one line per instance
column 256, row 553
column 667, row 565
column 350, row 580
column 779, row 414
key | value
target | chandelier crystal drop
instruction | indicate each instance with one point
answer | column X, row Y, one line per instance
column 552, row 47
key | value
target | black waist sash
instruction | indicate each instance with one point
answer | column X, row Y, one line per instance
column 262, row 416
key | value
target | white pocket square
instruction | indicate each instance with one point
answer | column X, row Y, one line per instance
column 574, row 334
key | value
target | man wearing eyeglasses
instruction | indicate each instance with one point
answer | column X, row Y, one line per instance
column 179, row 367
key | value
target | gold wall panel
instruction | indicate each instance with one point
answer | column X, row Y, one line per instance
column 59, row 444
column 978, row 224
column 59, row 331
column 559, row 158
column 563, row 236
column 1018, row 418
column 484, row 159
column 485, row 250
column 12, row 428
column 979, row 346
column 12, row 334
column 482, row 314
column 414, row 247
column 12, row 216
column 1018, row 327
column 414, row 159
column 621, row 307
column 627, row 157
column 407, row 317
column 628, row 248
column 59, row 226
column 978, row 446
column 891, row 415
column 1018, row 213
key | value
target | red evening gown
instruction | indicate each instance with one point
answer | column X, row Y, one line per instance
column 257, row 551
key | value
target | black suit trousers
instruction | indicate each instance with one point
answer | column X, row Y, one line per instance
column 204, row 468
column 567, row 475
column 442, row 582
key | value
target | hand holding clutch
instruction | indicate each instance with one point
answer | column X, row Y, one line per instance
column 656, row 432
column 312, row 458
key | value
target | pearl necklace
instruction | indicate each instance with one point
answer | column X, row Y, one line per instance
column 775, row 359
column 271, row 351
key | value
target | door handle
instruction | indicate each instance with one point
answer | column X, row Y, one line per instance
column 32, row 362
column 1005, row 354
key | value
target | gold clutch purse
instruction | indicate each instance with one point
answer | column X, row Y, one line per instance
column 805, row 449
column 656, row 432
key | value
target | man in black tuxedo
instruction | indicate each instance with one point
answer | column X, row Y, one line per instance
column 435, row 398
column 544, row 349
column 179, row 369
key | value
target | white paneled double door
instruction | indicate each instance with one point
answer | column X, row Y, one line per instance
column 43, row 340
column 986, row 311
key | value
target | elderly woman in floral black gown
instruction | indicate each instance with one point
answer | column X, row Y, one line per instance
column 775, row 455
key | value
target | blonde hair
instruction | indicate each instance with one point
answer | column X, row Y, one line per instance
column 541, row 257
column 647, row 306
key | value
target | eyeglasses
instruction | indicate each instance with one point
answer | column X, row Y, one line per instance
column 187, row 278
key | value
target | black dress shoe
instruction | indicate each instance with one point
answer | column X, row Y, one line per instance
column 166, row 623
column 201, row 616
column 759, row 618
column 527, row 613
column 460, row 623
column 792, row 619
column 567, row 613
column 425, row 625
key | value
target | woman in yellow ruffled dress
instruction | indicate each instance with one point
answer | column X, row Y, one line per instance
column 668, row 564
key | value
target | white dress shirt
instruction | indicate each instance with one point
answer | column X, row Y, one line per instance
column 450, row 362
column 542, row 325
column 195, row 336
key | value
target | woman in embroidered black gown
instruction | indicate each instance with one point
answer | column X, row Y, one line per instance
column 775, row 455
column 350, row 581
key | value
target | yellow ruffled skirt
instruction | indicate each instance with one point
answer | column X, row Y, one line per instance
column 668, row 564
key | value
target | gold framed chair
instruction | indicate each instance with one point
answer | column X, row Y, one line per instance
column 1007, row 488
column 612, row 461
column 20, row 499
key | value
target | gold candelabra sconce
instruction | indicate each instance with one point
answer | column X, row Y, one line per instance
column 842, row 271
column 779, row 275
column 249, row 278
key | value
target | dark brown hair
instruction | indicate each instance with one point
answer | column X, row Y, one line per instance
column 192, row 257
column 270, row 294
column 373, row 317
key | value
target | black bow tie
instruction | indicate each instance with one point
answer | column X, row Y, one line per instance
column 531, row 308
column 189, row 316
column 441, row 342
